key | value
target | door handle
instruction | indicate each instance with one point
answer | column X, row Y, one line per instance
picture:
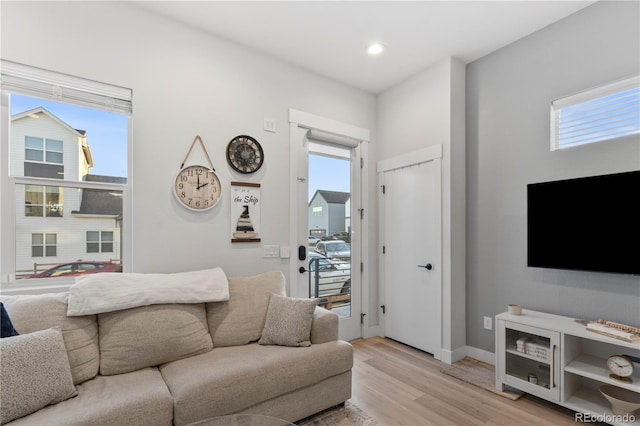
column 428, row 266
column 302, row 270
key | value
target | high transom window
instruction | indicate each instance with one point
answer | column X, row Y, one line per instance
column 600, row 114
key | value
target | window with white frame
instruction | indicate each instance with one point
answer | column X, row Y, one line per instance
column 99, row 242
column 43, row 201
column 604, row 113
column 67, row 142
column 44, row 245
column 43, row 150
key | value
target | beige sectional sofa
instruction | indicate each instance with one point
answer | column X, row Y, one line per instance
column 180, row 363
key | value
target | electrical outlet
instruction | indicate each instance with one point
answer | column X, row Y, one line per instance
column 488, row 323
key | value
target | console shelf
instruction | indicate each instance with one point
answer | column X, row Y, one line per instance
column 569, row 364
column 594, row 367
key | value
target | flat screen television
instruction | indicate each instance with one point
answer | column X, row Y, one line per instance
column 589, row 224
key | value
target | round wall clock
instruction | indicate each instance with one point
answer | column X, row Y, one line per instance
column 197, row 188
column 245, row 154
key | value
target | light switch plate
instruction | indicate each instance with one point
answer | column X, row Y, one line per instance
column 270, row 125
column 271, row 251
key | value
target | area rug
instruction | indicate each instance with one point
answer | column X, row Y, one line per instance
column 347, row 415
column 480, row 374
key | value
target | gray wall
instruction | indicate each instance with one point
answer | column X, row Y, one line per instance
column 508, row 101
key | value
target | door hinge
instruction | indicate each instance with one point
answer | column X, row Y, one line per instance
column 361, row 163
column 384, row 189
column 361, row 213
column 362, row 318
column 361, row 267
column 384, row 309
column 384, row 249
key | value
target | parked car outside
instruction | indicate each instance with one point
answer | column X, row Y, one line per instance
column 334, row 249
column 313, row 240
column 78, row 268
column 344, row 236
column 334, row 278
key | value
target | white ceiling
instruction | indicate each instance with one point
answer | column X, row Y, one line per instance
column 330, row 37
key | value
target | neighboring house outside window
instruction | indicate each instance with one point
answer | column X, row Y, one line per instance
column 81, row 214
column 328, row 210
column 85, row 208
column 42, row 203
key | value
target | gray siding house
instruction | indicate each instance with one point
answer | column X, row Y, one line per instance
column 328, row 213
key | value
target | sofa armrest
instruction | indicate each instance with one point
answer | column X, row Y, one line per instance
column 324, row 327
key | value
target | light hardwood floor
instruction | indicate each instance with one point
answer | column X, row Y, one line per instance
column 399, row 385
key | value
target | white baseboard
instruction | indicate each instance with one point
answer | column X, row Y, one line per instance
column 446, row 356
column 449, row 357
column 372, row 331
column 481, row 355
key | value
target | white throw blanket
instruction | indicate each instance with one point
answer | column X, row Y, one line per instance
column 108, row 292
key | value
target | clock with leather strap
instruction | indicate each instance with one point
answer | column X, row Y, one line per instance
column 244, row 154
column 197, row 187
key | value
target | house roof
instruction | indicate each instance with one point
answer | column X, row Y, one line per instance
column 33, row 113
column 82, row 134
column 332, row 197
column 100, row 201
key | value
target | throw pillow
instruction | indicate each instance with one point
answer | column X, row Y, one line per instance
column 288, row 321
column 34, row 372
column 5, row 323
column 240, row 320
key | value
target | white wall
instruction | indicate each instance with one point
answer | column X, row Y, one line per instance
column 425, row 110
column 508, row 103
column 185, row 83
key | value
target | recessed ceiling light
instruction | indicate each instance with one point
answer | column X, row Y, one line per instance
column 375, row 49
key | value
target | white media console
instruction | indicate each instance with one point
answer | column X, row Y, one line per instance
column 562, row 362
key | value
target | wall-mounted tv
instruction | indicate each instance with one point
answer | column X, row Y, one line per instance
column 589, row 224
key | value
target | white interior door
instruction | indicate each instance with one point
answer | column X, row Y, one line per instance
column 412, row 255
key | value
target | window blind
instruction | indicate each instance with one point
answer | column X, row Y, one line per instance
column 603, row 113
column 37, row 82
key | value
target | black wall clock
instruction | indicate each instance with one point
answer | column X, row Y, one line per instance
column 245, row 154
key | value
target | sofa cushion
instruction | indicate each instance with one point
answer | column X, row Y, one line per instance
column 151, row 335
column 34, row 372
column 241, row 319
column 6, row 324
column 137, row 398
column 31, row 313
column 288, row 321
column 230, row 379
